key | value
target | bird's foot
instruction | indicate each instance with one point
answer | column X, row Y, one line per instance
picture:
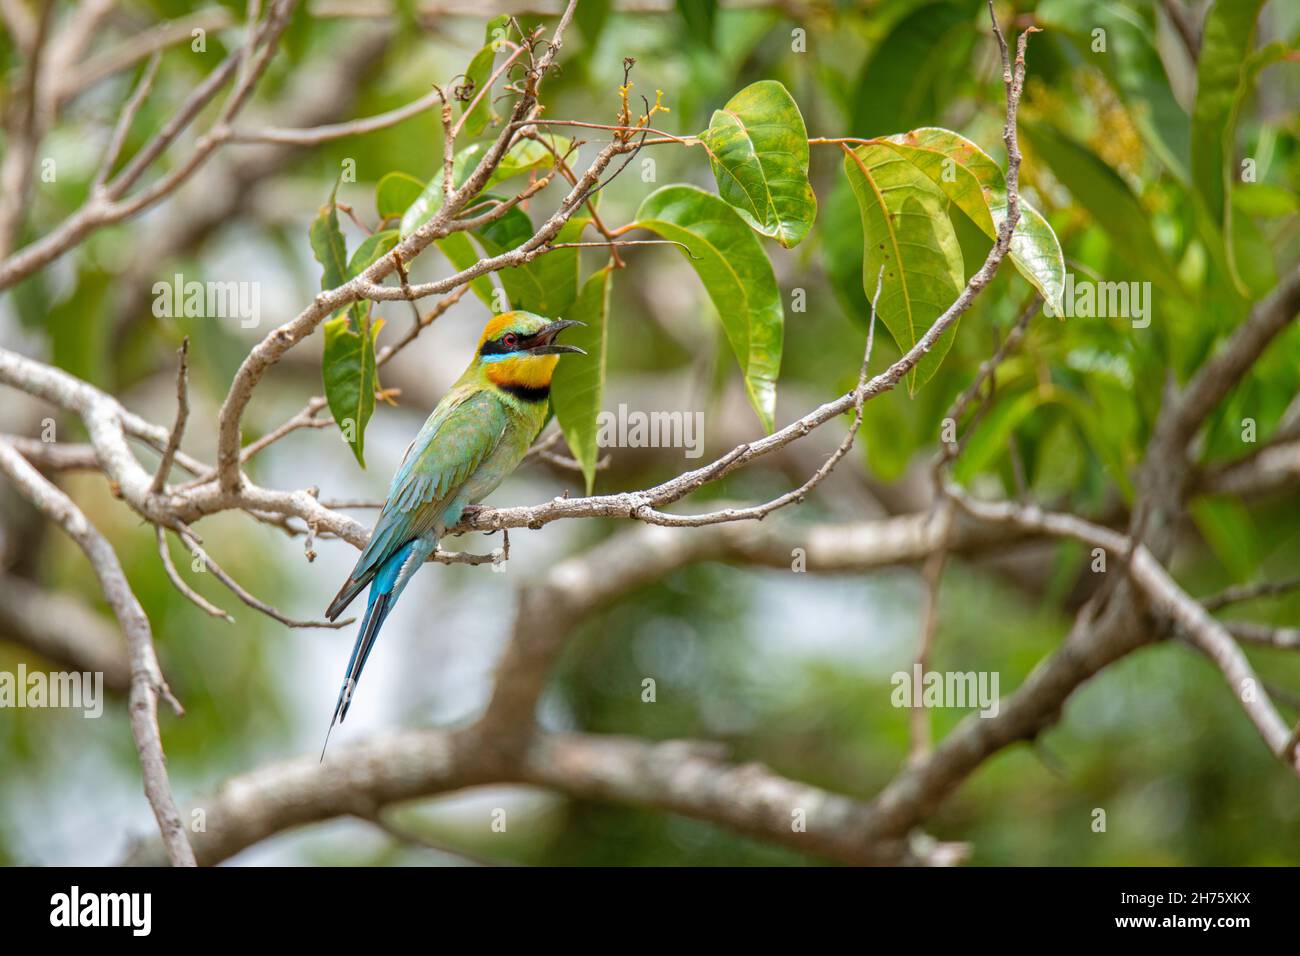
column 473, row 511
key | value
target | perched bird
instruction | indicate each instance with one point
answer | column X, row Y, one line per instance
column 476, row 436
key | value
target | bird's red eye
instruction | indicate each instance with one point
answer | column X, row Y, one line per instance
column 510, row 340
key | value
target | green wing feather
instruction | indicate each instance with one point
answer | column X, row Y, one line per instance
column 463, row 430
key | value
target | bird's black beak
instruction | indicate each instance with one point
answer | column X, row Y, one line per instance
column 543, row 343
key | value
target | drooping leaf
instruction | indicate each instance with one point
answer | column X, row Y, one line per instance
column 737, row 276
column 759, row 152
column 578, row 386
column 372, row 248
column 910, row 250
column 476, row 77
column 328, row 245
column 1226, row 42
column 395, row 193
column 972, row 180
column 348, row 370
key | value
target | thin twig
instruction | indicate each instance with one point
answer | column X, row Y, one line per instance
column 179, row 582
column 178, row 428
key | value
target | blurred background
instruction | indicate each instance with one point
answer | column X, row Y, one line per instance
column 790, row 669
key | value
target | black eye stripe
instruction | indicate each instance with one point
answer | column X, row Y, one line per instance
column 497, row 346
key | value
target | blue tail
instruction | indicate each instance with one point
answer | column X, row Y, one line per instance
column 385, row 589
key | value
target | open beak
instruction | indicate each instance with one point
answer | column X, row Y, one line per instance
column 543, row 343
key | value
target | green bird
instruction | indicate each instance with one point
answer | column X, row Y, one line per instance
column 477, row 435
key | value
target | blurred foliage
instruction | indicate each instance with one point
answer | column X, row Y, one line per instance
column 1137, row 167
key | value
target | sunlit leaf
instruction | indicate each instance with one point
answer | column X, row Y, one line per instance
column 972, row 180
column 910, row 250
column 759, row 152
column 736, row 274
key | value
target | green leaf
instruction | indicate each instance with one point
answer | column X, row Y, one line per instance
column 972, row 180
column 496, row 32
column 525, row 156
column 1059, row 461
column 699, row 18
column 1226, row 42
column 1244, row 243
column 461, row 254
column 759, row 152
column 548, row 284
column 988, row 442
column 476, row 75
column 348, row 369
column 591, row 17
column 841, row 237
column 1265, row 200
column 327, row 244
column 372, row 248
column 908, row 76
column 910, row 250
column 395, row 193
column 736, row 274
column 1132, row 63
column 1251, row 254
column 1226, row 525
column 578, row 386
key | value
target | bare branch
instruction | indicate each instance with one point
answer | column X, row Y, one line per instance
column 147, row 682
column 178, row 582
column 178, row 428
column 257, row 604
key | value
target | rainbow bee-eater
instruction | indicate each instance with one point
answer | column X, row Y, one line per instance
column 477, row 435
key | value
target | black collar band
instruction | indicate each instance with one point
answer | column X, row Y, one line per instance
column 528, row 393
